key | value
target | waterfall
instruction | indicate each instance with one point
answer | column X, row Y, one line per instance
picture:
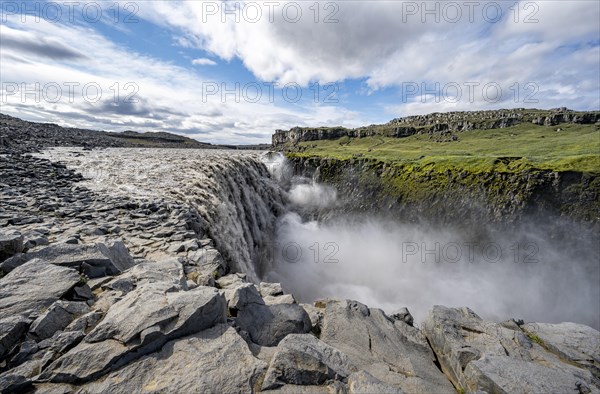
column 232, row 191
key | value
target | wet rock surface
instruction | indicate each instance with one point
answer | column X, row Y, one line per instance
column 109, row 292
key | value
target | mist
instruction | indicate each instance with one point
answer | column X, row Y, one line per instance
column 523, row 273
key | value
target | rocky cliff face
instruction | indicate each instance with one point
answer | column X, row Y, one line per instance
column 454, row 196
column 438, row 122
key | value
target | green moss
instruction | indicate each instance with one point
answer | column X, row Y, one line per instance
column 534, row 338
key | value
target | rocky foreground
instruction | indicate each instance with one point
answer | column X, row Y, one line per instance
column 114, row 294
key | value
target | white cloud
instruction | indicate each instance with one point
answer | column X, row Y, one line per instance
column 168, row 97
column 203, row 62
column 388, row 44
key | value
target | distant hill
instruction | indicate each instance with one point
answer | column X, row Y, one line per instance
column 18, row 136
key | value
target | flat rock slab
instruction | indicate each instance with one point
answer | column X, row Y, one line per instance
column 577, row 343
column 478, row 355
column 92, row 260
column 390, row 350
column 33, row 287
column 216, row 360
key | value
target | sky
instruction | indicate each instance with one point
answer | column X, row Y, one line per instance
column 235, row 71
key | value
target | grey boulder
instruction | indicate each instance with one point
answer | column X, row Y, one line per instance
column 216, row 360
column 57, row 317
column 10, row 244
column 92, row 260
column 477, row 355
column 140, row 323
column 302, row 359
column 269, row 324
column 388, row 349
column 34, row 286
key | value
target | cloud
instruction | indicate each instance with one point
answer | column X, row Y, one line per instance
column 35, row 44
column 203, row 62
column 389, row 44
column 376, row 47
column 119, row 89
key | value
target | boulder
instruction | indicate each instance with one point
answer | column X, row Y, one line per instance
column 140, row 323
column 231, row 281
column 33, row 287
column 403, row 315
column 481, row 356
column 166, row 271
column 302, row 359
column 208, row 259
column 92, row 260
column 216, row 360
column 10, row 244
column 152, row 305
column 270, row 289
column 390, row 350
column 282, row 299
column 242, row 296
column 12, row 329
column 269, row 324
column 57, row 317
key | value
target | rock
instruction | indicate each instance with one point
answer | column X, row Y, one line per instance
column 282, row 299
column 13, row 262
column 166, row 271
column 151, row 305
column 316, row 317
column 480, row 356
column 12, row 329
column 302, row 359
column 82, row 293
column 86, row 322
column 216, row 360
column 142, row 322
column 576, row 343
column 241, row 297
column 403, row 315
column 61, row 342
column 33, row 287
column 230, row 281
column 269, row 324
column 10, row 244
column 208, row 259
column 362, row 383
column 57, row 317
column 92, row 260
column 390, row 350
column 270, row 289
column 18, row 380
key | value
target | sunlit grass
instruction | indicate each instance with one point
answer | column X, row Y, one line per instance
column 574, row 148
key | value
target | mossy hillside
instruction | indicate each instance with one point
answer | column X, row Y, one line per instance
column 500, row 174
